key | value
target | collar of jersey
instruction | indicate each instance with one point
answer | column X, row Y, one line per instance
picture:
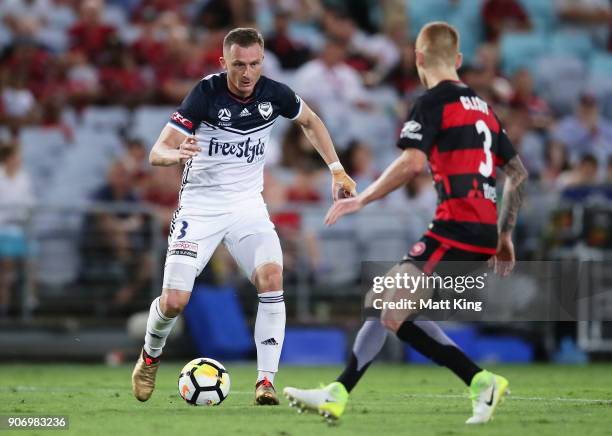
column 237, row 97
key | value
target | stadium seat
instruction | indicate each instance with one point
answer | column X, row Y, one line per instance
column 467, row 19
column 340, row 252
column 105, row 118
column 149, row 122
column 600, row 64
column 560, row 80
column 518, row 50
column 542, row 14
column 42, row 149
column 421, row 12
column 216, row 323
column 565, row 43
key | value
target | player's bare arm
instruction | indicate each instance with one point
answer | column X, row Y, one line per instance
column 173, row 148
column 514, row 185
column 401, row 171
column 317, row 134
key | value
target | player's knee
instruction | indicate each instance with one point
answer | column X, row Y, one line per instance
column 173, row 302
column 269, row 277
column 391, row 325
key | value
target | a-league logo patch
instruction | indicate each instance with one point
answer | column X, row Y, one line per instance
column 183, row 248
column 224, row 114
column 265, row 109
column 417, row 249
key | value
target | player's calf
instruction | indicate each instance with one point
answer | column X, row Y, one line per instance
column 162, row 317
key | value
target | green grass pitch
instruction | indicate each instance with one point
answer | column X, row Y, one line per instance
column 391, row 400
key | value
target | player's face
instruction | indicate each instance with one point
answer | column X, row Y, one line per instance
column 243, row 66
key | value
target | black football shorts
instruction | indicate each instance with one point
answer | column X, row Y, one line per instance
column 432, row 256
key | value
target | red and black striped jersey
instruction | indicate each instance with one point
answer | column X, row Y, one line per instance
column 464, row 142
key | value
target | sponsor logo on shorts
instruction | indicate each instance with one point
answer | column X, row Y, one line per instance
column 417, row 249
column 183, row 248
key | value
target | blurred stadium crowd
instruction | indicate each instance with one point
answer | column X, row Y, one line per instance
column 86, row 86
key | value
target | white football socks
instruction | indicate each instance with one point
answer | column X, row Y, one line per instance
column 158, row 329
column 269, row 333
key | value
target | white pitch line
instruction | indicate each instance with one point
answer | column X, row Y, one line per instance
column 515, row 397
column 406, row 395
column 59, row 389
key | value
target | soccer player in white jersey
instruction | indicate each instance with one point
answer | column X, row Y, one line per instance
column 220, row 133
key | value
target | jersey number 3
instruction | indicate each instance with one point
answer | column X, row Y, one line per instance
column 486, row 167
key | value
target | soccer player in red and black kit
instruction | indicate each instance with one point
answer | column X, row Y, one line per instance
column 460, row 136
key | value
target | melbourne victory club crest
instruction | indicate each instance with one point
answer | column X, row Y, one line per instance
column 265, row 109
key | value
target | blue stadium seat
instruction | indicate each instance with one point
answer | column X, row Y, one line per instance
column 466, row 17
column 542, row 14
column 420, row 12
column 149, row 121
column 518, row 50
column 572, row 43
column 601, row 64
column 559, row 80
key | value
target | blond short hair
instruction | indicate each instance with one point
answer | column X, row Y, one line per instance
column 439, row 42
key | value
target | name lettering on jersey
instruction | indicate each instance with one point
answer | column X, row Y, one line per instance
column 224, row 115
column 265, row 109
column 490, row 193
column 243, row 149
column 410, row 130
column 176, row 117
column 474, row 104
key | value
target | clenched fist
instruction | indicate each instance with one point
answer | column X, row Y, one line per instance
column 342, row 185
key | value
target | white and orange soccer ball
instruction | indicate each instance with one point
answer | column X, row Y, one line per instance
column 204, row 382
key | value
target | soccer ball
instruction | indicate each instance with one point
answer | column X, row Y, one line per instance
column 204, row 381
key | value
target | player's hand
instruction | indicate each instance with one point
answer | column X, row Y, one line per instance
column 188, row 149
column 342, row 185
column 341, row 208
column 503, row 262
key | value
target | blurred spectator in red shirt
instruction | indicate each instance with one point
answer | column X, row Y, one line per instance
column 290, row 53
column 121, row 79
column 89, row 34
column 304, row 186
column 403, row 76
column 179, row 67
column 524, row 97
column 149, row 48
column 25, row 56
column 557, row 161
column 161, row 193
column 503, row 15
column 148, row 10
column 359, row 163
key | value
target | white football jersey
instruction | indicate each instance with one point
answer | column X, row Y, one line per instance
column 233, row 133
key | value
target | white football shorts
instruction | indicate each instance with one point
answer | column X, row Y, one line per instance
column 248, row 234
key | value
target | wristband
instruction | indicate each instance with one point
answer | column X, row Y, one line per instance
column 335, row 167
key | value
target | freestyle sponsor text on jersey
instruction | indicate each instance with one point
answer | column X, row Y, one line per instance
column 244, row 149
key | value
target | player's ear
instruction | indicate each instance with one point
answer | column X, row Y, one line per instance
column 222, row 63
column 458, row 61
column 420, row 58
